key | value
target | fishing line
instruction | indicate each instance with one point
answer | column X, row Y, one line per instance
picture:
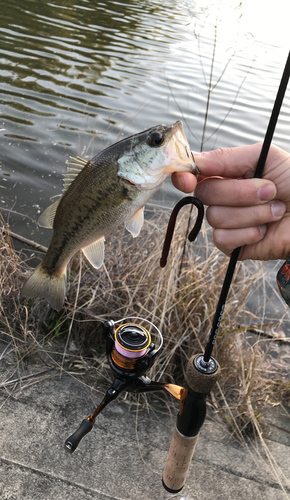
column 258, row 174
column 146, row 321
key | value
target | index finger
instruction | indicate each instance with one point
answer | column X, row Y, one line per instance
column 184, row 181
column 229, row 162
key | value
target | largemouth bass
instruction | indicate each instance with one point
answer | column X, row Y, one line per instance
column 99, row 195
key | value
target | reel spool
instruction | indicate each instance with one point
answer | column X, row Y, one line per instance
column 131, row 343
column 129, row 347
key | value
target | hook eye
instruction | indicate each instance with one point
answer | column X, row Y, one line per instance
column 188, row 200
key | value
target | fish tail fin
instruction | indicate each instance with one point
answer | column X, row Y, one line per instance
column 41, row 284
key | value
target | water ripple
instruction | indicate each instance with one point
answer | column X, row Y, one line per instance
column 76, row 77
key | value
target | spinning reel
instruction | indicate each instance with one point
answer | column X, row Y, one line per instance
column 131, row 353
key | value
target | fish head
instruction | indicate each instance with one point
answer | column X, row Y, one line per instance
column 150, row 156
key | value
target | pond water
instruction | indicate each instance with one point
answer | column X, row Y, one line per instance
column 77, row 75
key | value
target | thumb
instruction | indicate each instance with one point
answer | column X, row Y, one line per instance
column 229, row 162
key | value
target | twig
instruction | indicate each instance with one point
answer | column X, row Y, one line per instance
column 25, row 377
column 28, row 242
column 73, row 312
column 270, row 336
column 17, row 213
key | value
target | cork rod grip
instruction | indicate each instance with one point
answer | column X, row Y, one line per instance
column 178, row 461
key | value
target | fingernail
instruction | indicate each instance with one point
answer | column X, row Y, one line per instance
column 278, row 209
column 199, row 159
column 263, row 229
column 266, row 193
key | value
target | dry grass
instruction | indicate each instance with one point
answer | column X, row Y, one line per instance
column 180, row 303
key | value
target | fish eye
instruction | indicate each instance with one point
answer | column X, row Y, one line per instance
column 155, row 139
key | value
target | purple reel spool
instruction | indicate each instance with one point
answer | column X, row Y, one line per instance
column 132, row 341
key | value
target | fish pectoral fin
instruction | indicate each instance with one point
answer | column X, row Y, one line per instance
column 95, row 252
column 135, row 223
column 47, row 217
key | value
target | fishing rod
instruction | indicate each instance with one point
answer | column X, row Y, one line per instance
column 131, row 352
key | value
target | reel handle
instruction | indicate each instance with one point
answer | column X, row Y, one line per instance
column 86, row 426
column 72, row 442
column 200, row 379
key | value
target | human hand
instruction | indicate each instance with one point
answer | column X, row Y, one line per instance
column 243, row 211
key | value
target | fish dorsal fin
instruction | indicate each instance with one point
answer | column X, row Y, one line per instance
column 95, row 252
column 73, row 169
column 135, row 223
column 47, row 217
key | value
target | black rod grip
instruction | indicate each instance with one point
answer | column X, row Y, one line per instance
column 73, row 441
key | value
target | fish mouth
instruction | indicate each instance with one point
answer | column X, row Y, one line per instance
column 178, row 126
column 182, row 146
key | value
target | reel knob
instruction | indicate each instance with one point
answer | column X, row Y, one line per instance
column 73, row 441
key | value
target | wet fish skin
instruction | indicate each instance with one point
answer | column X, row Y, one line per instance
column 101, row 194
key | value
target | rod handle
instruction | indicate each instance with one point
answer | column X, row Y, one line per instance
column 73, row 441
column 178, row 461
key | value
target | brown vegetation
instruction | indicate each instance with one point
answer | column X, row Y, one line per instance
column 181, row 302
